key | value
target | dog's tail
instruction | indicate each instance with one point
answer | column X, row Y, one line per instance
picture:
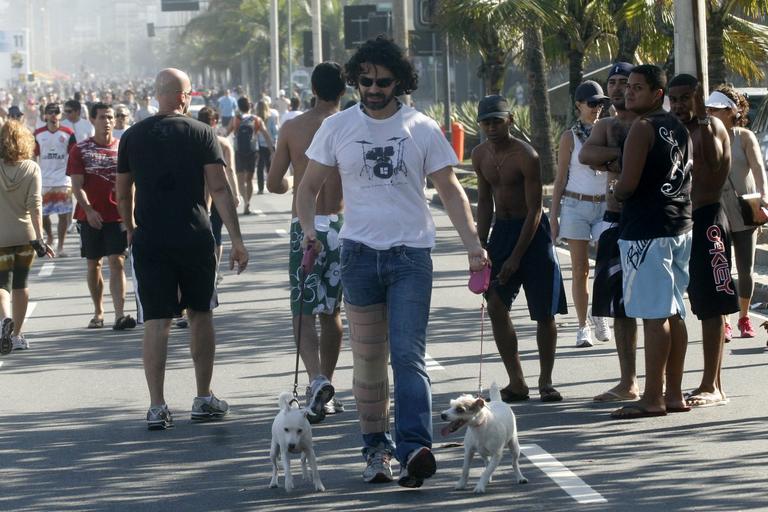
column 494, row 393
column 285, row 400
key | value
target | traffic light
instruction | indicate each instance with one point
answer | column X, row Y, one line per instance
column 150, row 30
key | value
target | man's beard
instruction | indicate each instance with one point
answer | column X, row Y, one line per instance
column 378, row 105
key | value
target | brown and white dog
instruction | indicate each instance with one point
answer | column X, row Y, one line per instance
column 292, row 434
column 490, row 427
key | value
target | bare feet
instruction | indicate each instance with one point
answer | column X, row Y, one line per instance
column 635, row 411
column 704, row 399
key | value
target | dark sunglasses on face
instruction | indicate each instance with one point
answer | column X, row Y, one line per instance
column 593, row 104
column 381, row 83
column 120, row 115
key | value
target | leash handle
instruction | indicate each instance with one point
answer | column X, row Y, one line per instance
column 308, row 260
column 480, row 371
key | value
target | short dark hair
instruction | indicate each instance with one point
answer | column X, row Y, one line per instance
column 99, row 105
column 207, row 115
column 328, row 81
column 78, row 96
column 382, row 51
column 684, row 79
column 654, row 75
column 74, row 105
column 244, row 104
column 295, row 103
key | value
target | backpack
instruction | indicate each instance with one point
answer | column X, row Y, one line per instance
column 244, row 141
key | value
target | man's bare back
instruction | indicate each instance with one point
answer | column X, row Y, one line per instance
column 503, row 171
column 707, row 183
column 295, row 137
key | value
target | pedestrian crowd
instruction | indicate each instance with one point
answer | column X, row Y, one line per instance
column 659, row 191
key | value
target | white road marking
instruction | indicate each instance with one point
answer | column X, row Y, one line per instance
column 1, row 364
column 259, row 213
column 47, row 269
column 431, row 363
column 30, row 308
column 561, row 475
column 281, row 232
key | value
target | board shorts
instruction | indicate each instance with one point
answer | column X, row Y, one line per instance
column 322, row 289
column 711, row 290
column 655, row 276
column 246, row 162
column 110, row 240
column 57, row 200
column 539, row 272
column 607, row 289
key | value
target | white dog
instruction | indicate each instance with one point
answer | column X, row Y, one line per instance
column 291, row 433
column 490, row 427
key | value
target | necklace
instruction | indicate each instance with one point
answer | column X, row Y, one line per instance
column 496, row 161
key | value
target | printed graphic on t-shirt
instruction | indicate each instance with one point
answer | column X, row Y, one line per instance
column 678, row 168
column 385, row 163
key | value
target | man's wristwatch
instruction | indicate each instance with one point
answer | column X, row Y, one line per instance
column 704, row 121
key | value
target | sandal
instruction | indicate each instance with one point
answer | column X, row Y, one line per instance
column 96, row 323
column 124, row 322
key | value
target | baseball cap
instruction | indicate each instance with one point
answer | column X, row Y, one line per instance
column 589, row 90
column 14, row 112
column 719, row 100
column 620, row 68
column 52, row 108
column 492, row 106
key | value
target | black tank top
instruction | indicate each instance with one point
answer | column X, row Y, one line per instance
column 661, row 204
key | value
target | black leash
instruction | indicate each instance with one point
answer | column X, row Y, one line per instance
column 307, row 265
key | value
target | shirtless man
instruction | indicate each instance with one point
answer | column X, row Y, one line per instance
column 711, row 290
column 318, row 354
column 602, row 151
column 520, row 246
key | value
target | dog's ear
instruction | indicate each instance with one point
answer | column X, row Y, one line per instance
column 479, row 404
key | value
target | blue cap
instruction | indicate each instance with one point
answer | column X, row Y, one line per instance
column 621, row 68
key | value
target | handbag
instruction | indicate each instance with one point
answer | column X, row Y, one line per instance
column 750, row 206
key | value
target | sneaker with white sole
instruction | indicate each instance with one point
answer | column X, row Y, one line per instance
column 209, row 408
column 602, row 329
column 584, row 337
column 159, row 418
column 378, row 469
column 420, row 466
column 319, row 393
column 6, row 340
column 20, row 342
column 335, row 406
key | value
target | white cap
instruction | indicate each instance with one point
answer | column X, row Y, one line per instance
column 719, row 100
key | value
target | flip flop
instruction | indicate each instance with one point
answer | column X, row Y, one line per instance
column 124, row 322
column 701, row 400
column 612, row 396
column 550, row 395
column 96, row 323
column 640, row 413
column 508, row 396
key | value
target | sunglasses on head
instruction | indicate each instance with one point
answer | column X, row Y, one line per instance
column 381, row 83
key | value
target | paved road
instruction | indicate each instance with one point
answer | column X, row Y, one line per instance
column 72, row 435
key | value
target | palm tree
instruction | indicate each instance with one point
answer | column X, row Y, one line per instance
column 535, row 63
column 735, row 42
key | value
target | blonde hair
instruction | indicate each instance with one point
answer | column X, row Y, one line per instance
column 16, row 142
column 262, row 110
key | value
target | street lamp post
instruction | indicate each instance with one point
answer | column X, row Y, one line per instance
column 274, row 65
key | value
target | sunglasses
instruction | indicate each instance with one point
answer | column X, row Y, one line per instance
column 381, row 83
column 593, row 104
column 67, row 111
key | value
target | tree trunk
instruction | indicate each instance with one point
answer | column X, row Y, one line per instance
column 538, row 101
column 629, row 39
column 575, row 76
column 715, row 32
column 492, row 70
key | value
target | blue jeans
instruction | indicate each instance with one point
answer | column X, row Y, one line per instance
column 401, row 278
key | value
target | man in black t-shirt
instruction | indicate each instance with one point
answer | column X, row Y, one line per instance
column 655, row 240
column 168, row 159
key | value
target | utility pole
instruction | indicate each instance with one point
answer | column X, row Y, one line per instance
column 400, row 18
column 290, row 52
column 317, row 33
column 274, row 53
column 691, row 40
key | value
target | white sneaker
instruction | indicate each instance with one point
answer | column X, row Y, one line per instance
column 20, row 342
column 584, row 337
column 602, row 329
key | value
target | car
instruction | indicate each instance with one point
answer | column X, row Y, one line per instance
column 196, row 104
column 759, row 125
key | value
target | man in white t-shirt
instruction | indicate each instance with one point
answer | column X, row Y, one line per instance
column 82, row 128
column 52, row 145
column 384, row 151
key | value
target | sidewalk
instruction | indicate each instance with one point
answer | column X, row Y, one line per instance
column 760, row 295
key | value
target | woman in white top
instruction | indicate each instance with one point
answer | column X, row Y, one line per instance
column 747, row 176
column 578, row 205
